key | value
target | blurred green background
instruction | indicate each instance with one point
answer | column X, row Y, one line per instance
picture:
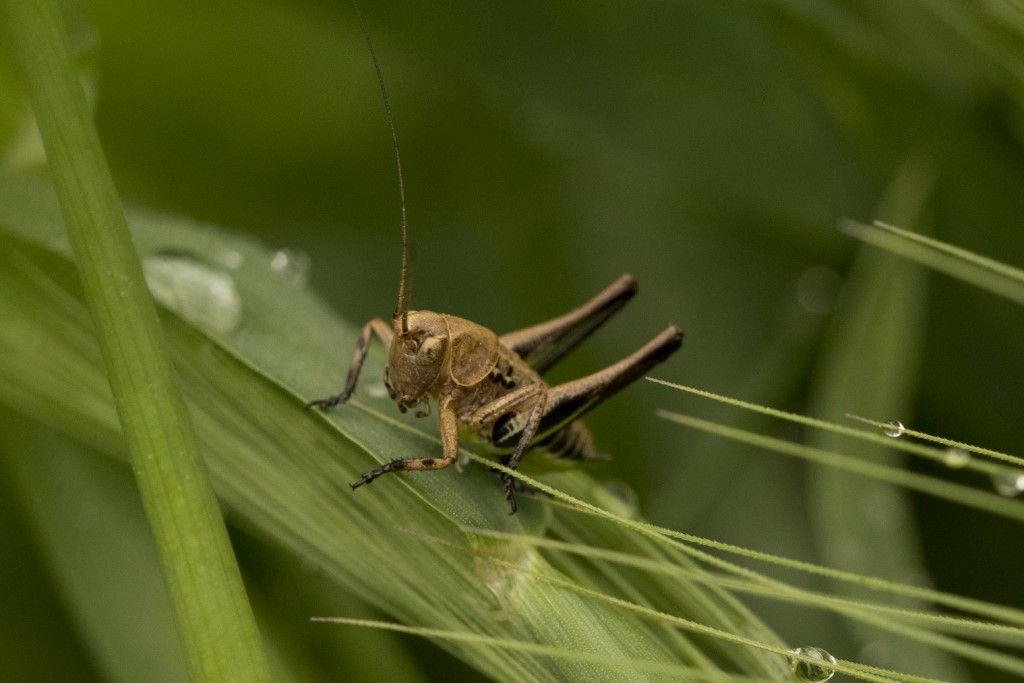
column 708, row 148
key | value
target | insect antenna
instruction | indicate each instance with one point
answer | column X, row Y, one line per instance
column 402, row 304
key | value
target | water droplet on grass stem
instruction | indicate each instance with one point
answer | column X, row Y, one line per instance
column 812, row 672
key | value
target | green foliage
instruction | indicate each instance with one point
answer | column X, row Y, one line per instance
column 708, row 148
column 215, row 622
column 284, row 471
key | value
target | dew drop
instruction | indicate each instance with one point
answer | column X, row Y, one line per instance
column 812, row 672
column 955, row 458
column 230, row 258
column 199, row 293
column 291, row 264
column 894, row 429
column 1009, row 482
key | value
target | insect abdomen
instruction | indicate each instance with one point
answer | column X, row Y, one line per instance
column 572, row 442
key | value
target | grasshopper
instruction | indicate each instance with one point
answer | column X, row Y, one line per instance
column 489, row 384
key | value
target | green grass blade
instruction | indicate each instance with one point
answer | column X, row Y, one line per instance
column 214, row 618
column 683, row 672
column 1001, row 633
column 982, row 262
column 683, row 540
column 951, row 443
column 876, row 438
column 912, row 634
column 980, row 271
column 957, row 493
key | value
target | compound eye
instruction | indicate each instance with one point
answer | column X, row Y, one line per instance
column 430, row 351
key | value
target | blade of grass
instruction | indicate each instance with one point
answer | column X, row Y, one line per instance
column 680, row 540
column 215, row 621
column 1009, row 635
column 855, row 669
column 979, row 271
column 712, row 606
column 605, row 573
column 861, row 612
column 983, row 262
column 272, row 577
column 683, row 672
column 957, row 493
column 907, row 431
column 884, row 623
column 912, row 634
column 919, row 450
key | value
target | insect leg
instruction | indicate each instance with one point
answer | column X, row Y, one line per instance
column 449, row 450
column 568, row 401
column 544, row 344
column 376, row 326
column 494, row 409
column 529, row 431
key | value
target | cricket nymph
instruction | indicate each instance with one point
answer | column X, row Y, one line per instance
column 492, row 385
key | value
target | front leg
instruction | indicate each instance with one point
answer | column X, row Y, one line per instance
column 449, row 449
column 382, row 330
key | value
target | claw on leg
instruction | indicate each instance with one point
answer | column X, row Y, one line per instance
column 369, row 476
column 510, row 493
column 329, row 402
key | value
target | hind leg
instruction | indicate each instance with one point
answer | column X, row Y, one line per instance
column 567, row 402
column 542, row 345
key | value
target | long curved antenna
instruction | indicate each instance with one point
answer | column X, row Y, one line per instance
column 402, row 305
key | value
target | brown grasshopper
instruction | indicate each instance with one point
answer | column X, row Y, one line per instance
column 491, row 384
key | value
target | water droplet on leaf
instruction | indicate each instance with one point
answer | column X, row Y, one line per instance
column 894, row 429
column 199, row 293
column 1009, row 482
column 231, row 258
column 955, row 458
column 292, row 264
column 812, row 672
